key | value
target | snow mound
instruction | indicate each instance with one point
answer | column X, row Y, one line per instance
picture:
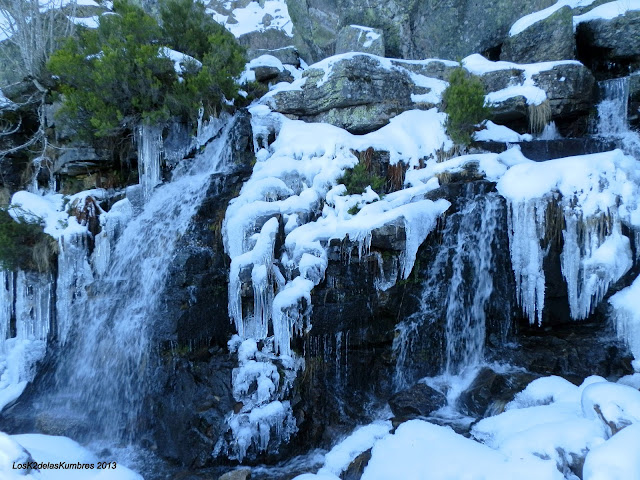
column 616, row 459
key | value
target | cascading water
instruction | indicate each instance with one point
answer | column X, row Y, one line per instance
column 457, row 287
column 471, row 284
column 104, row 374
column 613, row 112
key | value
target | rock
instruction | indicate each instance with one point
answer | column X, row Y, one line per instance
column 239, row 474
column 418, row 401
column 354, row 38
column 356, row 468
column 264, row 73
column 570, row 90
column 457, row 29
column 81, row 160
column 287, row 55
column 546, row 40
column 359, row 95
column 316, row 24
column 271, row 39
column 490, row 392
column 611, row 40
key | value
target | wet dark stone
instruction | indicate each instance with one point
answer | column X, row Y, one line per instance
column 418, row 401
column 356, row 468
column 490, row 391
column 541, row 150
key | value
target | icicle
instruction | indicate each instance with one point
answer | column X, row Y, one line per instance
column 526, row 222
column 613, row 109
column 6, row 307
column 626, row 317
column 149, row 155
column 592, row 259
column 33, row 306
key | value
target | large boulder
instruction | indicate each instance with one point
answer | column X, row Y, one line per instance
column 359, row 93
column 362, row 92
column 546, row 40
column 419, row 400
column 616, row 38
column 354, row 38
column 569, row 89
column 455, row 29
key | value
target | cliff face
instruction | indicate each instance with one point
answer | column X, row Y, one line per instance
column 294, row 299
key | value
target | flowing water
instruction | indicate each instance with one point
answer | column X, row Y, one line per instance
column 104, row 374
column 456, row 288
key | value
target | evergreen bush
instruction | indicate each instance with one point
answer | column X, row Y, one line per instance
column 116, row 76
column 463, row 102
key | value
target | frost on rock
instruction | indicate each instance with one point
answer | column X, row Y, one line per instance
column 277, row 232
column 588, row 199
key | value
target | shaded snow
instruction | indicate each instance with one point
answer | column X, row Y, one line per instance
column 607, row 11
column 528, row 20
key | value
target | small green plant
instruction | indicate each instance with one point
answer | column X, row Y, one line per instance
column 358, row 178
column 463, row 102
column 24, row 245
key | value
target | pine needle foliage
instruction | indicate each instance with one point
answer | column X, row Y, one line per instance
column 463, row 102
column 116, row 76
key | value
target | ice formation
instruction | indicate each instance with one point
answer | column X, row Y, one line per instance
column 626, row 316
column 596, row 195
column 293, row 194
column 25, row 296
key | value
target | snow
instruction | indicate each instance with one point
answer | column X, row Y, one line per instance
column 422, row 451
column 500, row 133
column 50, row 452
column 528, row 20
column 338, row 459
column 370, row 35
column 607, row 11
column 179, row 59
column 88, row 22
column 252, row 18
column 478, row 65
column 616, row 459
column 626, row 315
column 615, row 405
column 48, row 210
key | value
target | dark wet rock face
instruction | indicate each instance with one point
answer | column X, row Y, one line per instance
column 194, row 374
column 491, row 391
column 418, row 401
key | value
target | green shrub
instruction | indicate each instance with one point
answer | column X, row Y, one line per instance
column 23, row 245
column 463, row 102
column 116, row 76
column 358, row 178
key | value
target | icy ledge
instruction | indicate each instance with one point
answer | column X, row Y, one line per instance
column 586, row 199
column 293, row 199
